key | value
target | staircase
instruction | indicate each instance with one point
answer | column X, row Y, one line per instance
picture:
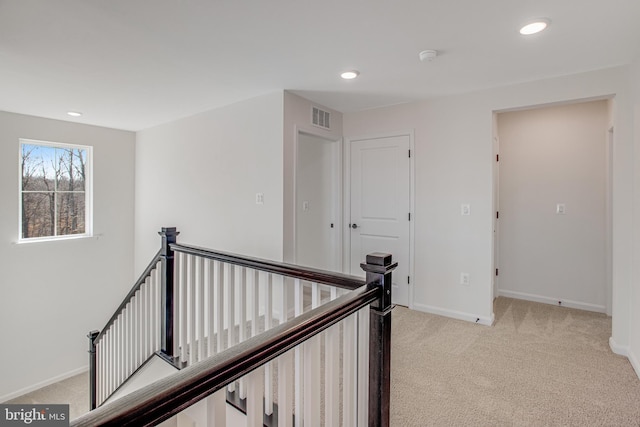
column 285, row 345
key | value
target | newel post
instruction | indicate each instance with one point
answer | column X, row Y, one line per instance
column 93, row 384
column 378, row 268
column 169, row 235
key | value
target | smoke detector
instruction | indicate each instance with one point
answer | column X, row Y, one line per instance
column 428, row 55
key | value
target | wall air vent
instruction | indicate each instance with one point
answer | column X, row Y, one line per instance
column 321, row 118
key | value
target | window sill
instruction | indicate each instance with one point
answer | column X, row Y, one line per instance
column 58, row 239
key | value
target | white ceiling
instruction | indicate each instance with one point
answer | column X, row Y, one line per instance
column 133, row 64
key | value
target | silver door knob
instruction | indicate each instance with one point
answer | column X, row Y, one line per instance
column 354, row 226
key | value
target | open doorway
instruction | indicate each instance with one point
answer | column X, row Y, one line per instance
column 318, row 202
column 553, row 195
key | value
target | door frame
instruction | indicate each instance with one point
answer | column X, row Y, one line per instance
column 339, row 182
column 609, row 168
column 346, row 201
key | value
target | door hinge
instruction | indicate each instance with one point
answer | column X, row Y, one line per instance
column 409, row 216
column 408, row 280
column 496, row 271
column 409, row 153
column 497, row 157
column 497, row 214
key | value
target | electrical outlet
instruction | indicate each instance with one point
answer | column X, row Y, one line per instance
column 259, row 198
column 465, row 209
column 464, row 279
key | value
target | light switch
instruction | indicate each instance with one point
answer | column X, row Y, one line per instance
column 465, row 209
column 560, row 209
column 305, row 205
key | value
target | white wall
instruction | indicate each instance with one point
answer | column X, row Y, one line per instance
column 634, row 297
column 201, row 175
column 454, row 155
column 54, row 293
column 297, row 117
column 548, row 156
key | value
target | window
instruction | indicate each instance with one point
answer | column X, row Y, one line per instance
column 55, row 190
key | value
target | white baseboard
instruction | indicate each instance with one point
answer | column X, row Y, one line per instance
column 553, row 301
column 622, row 350
column 635, row 362
column 44, row 383
column 482, row 320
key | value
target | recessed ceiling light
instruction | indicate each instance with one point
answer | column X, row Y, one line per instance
column 535, row 26
column 74, row 113
column 348, row 75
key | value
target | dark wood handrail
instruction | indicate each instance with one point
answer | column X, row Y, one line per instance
column 171, row 395
column 146, row 273
column 309, row 274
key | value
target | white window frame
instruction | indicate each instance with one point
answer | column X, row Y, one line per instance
column 88, row 190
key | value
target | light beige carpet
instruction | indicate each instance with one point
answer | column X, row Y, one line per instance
column 539, row 365
column 73, row 391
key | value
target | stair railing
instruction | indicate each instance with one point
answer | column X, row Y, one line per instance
column 205, row 382
column 203, row 303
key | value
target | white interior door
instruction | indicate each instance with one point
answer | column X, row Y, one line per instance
column 380, row 206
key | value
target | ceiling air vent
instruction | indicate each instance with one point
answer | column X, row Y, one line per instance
column 321, row 118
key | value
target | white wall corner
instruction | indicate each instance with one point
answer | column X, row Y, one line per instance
column 622, row 350
column 460, row 315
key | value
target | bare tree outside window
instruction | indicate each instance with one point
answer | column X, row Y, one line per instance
column 53, row 189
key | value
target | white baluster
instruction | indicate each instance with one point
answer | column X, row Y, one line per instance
column 177, row 303
column 118, row 350
column 103, row 360
column 298, row 377
column 191, row 310
column 332, row 372
column 116, row 354
column 268, row 324
column 151, row 314
column 110, row 368
column 99, row 347
column 255, row 387
column 285, row 392
column 349, row 372
column 217, row 409
column 254, row 279
column 200, row 336
column 140, row 327
column 209, row 286
column 242, row 318
column 183, row 308
column 363, row 366
column 283, row 290
column 144, row 327
column 135, row 323
column 126, row 349
column 230, row 277
column 155, row 308
column 219, row 305
column 312, row 369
